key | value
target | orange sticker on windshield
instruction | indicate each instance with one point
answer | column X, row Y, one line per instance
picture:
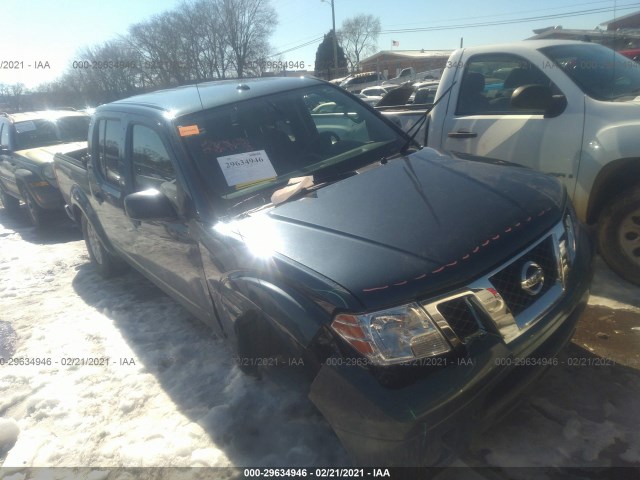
column 189, row 130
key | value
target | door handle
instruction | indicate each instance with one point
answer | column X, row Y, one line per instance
column 462, row 134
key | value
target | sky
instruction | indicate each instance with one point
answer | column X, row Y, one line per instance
column 49, row 34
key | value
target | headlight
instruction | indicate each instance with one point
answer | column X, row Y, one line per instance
column 567, row 244
column 49, row 174
column 397, row 335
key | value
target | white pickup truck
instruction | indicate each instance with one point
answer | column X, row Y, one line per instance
column 567, row 108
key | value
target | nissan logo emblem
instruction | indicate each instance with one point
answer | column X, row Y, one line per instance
column 532, row 278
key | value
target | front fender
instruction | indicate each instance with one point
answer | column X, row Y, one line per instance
column 295, row 317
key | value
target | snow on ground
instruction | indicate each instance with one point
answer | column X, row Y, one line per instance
column 170, row 394
column 609, row 290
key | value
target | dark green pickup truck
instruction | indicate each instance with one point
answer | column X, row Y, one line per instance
column 28, row 142
column 420, row 292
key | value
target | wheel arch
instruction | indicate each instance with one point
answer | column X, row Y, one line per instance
column 81, row 206
column 262, row 306
column 24, row 178
column 614, row 178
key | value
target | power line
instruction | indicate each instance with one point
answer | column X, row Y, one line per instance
column 576, row 13
column 494, row 15
column 315, row 40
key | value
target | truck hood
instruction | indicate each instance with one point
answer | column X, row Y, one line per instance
column 42, row 155
column 411, row 228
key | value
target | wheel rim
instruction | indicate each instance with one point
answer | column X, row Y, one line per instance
column 629, row 236
column 94, row 243
column 31, row 208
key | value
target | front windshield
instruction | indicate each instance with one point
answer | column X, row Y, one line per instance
column 50, row 131
column 601, row 73
column 259, row 144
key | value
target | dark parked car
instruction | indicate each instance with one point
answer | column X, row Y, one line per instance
column 421, row 292
column 28, row 142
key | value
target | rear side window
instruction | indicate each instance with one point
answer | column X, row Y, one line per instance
column 109, row 162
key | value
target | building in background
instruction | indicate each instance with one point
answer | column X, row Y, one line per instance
column 391, row 62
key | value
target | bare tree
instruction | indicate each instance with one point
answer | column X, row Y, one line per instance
column 215, row 54
column 200, row 40
column 248, row 25
column 157, row 42
column 359, row 37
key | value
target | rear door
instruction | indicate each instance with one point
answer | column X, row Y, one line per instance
column 108, row 181
column 481, row 121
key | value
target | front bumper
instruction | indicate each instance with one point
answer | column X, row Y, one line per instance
column 413, row 425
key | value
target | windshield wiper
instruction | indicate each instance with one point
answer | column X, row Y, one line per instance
column 419, row 122
column 298, row 188
column 247, row 200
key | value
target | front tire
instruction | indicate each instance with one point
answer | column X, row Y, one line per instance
column 105, row 263
column 36, row 213
column 619, row 235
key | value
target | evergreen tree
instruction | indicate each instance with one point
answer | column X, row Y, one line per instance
column 324, row 58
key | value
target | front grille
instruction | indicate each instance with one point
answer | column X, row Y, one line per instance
column 508, row 280
column 510, row 299
column 460, row 316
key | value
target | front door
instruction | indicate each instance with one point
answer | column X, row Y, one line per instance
column 165, row 249
column 484, row 123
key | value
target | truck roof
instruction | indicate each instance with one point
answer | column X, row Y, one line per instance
column 193, row 98
column 522, row 45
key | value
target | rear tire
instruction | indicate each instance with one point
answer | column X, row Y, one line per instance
column 619, row 235
column 105, row 263
column 11, row 204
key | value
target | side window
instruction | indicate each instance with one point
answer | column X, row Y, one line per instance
column 109, row 151
column 152, row 167
column 489, row 81
column 4, row 135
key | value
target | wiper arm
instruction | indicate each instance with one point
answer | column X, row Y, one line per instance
column 302, row 185
column 418, row 123
column 249, row 199
column 293, row 189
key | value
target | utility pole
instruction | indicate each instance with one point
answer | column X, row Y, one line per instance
column 335, row 36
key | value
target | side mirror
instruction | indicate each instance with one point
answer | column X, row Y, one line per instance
column 539, row 97
column 149, row 205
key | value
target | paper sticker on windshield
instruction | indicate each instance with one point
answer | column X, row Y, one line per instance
column 189, row 130
column 27, row 126
column 246, row 167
